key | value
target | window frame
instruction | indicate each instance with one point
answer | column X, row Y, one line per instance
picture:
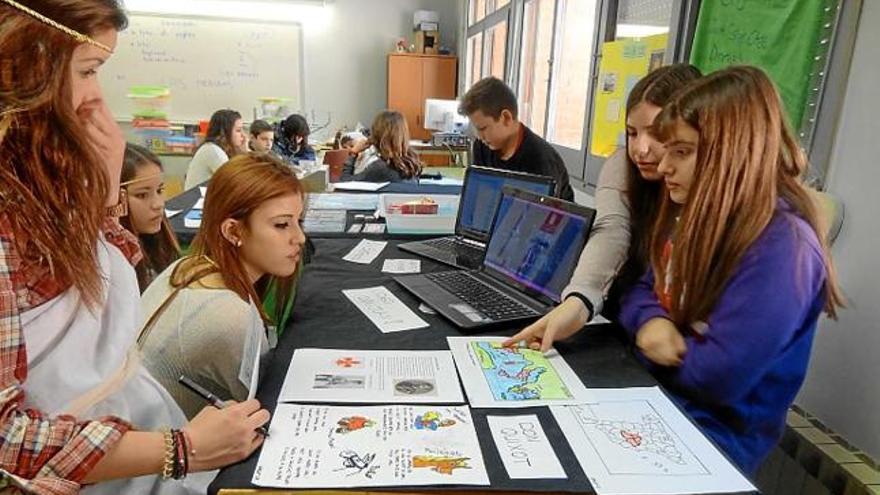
column 484, row 25
column 817, row 138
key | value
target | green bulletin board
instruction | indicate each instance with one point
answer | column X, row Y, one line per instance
column 783, row 37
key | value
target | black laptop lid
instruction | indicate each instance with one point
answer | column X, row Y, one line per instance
column 536, row 242
column 482, row 192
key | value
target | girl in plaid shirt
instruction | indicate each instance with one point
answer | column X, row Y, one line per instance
column 76, row 406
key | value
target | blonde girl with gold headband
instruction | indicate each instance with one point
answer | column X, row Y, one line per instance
column 78, row 411
column 144, row 186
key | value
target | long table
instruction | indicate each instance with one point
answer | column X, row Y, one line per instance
column 323, row 317
column 185, row 201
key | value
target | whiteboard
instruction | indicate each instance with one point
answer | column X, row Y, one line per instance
column 207, row 63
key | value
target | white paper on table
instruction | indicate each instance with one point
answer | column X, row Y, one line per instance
column 495, row 376
column 193, row 219
column 443, row 181
column 373, row 228
column 203, row 190
column 200, row 204
column 524, row 448
column 424, row 308
column 171, row 213
column 359, row 186
column 629, row 439
column 342, row 201
column 384, row 309
column 402, row 266
column 359, row 376
column 365, row 252
column 317, row 446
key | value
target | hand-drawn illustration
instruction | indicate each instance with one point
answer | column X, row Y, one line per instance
column 432, row 420
column 440, row 464
column 519, row 373
column 354, row 464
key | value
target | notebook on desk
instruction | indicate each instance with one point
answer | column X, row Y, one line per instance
column 536, row 242
column 480, row 196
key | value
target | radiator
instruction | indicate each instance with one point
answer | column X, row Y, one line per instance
column 811, row 459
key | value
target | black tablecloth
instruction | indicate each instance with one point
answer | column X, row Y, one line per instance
column 185, row 201
column 323, row 317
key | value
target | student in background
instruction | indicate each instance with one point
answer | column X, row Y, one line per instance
column 225, row 139
column 394, row 160
column 740, row 269
column 354, row 142
column 505, row 142
column 262, row 136
column 144, row 187
column 360, row 148
column 628, row 196
column 292, row 140
column 77, row 407
column 206, row 308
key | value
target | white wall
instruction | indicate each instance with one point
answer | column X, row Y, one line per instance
column 843, row 384
column 345, row 56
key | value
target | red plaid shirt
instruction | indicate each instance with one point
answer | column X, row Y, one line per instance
column 39, row 454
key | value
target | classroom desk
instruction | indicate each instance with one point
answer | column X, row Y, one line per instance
column 323, row 317
column 188, row 198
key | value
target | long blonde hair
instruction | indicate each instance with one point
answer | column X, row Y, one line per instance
column 747, row 158
column 390, row 135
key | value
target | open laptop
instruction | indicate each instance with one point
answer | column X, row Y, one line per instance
column 480, row 195
column 535, row 244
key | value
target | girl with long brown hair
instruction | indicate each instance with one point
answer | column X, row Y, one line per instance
column 395, row 161
column 144, row 187
column 628, row 197
column 740, row 269
column 73, row 386
column 225, row 138
column 207, row 306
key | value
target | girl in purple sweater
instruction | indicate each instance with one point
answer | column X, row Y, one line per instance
column 740, row 270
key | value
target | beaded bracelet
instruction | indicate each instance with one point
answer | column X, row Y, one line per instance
column 181, row 465
column 170, row 454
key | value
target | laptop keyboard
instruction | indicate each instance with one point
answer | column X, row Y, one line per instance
column 460, row 249
column 493, row 303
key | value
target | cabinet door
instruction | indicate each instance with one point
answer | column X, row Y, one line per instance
column 405, row 90
column 438, row 78
column 438, row 81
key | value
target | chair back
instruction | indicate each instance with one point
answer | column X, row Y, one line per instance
column 335, row 160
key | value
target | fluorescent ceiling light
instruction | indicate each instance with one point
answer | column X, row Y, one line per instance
column 639, row 30
column 309, row 13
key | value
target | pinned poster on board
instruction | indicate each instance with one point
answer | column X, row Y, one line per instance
column 623, row 63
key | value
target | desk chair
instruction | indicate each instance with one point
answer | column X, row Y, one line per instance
column 335, row 160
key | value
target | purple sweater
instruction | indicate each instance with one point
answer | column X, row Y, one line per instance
column 738, row 380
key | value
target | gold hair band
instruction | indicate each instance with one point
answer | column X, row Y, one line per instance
column 82, row 38
column 140, row 179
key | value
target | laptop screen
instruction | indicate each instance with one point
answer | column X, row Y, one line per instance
column 481, row 195
column 536, row 244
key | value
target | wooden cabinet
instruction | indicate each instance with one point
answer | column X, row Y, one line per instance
column 415, row 77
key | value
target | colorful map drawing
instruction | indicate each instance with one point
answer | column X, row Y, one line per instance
column 642, row 442
column 518, row 373
column 440, row 464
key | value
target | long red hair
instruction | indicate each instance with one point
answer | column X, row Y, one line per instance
column 52, row 183
column 746, row 159
column 237, row 189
